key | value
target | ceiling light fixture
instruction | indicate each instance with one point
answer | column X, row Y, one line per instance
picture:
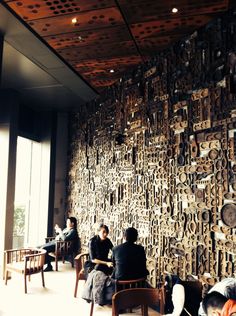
column 74, row 20
column 112, row 70
column 174, row 10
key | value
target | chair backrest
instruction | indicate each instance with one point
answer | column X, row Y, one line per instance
column 81, row 259
column 34, row 262
column 126, row 284
column 33, row 259
column 138, row 296
column 64, row 247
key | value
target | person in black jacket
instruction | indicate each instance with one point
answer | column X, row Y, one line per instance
column 67, row 234
column 129, row 259
column 99, row 247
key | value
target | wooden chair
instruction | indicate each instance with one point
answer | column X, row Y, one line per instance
column 79, row 262
column 137, row 296
column 63, row 250
column 124, row 284
column 26, row 261
column 127, row 284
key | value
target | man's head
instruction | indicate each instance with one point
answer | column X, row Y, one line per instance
column 103, row 231
column 131, row 234
column 213, row 303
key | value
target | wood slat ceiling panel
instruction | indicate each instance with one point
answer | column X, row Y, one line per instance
column 98, row 51
column 152, row 10
column 99, row 70
column 107, row 64
column 86, row 21
column 112, row 34
column 168, row 27
column 150, row 46
column 99, row 84
column 38, row 9
column 94, row 37
column 157, row 35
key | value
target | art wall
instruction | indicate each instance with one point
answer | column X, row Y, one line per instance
column 157, row 151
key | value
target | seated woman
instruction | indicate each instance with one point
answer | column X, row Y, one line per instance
column 68, row 233
column 98, row 268
column 99, row 247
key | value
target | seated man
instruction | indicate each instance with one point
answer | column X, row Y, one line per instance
column 217, row 304
column 226, row 287
column 69, row 233
column 129, row 259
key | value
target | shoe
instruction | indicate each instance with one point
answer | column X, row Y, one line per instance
column 48, row 268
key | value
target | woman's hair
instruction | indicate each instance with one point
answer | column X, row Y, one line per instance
column 104, row 227
column 74, row 221
column 213, row 300
column 131, row 234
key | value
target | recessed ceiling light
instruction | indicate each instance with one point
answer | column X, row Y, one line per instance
column 74, row 20
column 112, row 70
column 174, row 10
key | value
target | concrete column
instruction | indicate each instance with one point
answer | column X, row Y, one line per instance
column 8, row 144
column 1, row 54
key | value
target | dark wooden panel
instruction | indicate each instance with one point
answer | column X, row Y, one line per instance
column 101, row 32
column 93, row 37
column 161, row 28
column 35, row 9
column 149, row 10
column 98, row 51
column 86, row 21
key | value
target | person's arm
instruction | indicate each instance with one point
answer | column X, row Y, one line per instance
column 108, row 263
column 178, row 298
column 70, row 235
column 58, row 232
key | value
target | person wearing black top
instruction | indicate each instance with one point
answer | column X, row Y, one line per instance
column 99, row 247
column 68, row 233
column 129, row 259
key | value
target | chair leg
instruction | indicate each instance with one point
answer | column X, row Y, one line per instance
column 72, row 260
column 91, row 308
column 6, row 276
column 25, row 283
column 42, row 274
column 56, row 263
column 76, row 285
column 144, row 310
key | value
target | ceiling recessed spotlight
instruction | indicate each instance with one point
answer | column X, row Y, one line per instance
column 74, row 20
column 112, row 70
column 174, row 10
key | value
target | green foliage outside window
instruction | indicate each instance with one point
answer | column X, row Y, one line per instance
column 19, row 221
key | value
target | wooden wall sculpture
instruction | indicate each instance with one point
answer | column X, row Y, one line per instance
column 158, row 152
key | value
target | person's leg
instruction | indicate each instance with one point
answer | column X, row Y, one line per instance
column 49, row 247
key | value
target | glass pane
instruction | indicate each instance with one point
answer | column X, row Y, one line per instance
column 22, row 191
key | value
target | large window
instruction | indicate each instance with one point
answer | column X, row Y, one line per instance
column 29, row 213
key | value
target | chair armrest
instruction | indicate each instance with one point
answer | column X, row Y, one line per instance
column 48, row 239
column 80, row 260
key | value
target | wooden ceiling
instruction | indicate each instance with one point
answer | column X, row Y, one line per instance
column 113, row 34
